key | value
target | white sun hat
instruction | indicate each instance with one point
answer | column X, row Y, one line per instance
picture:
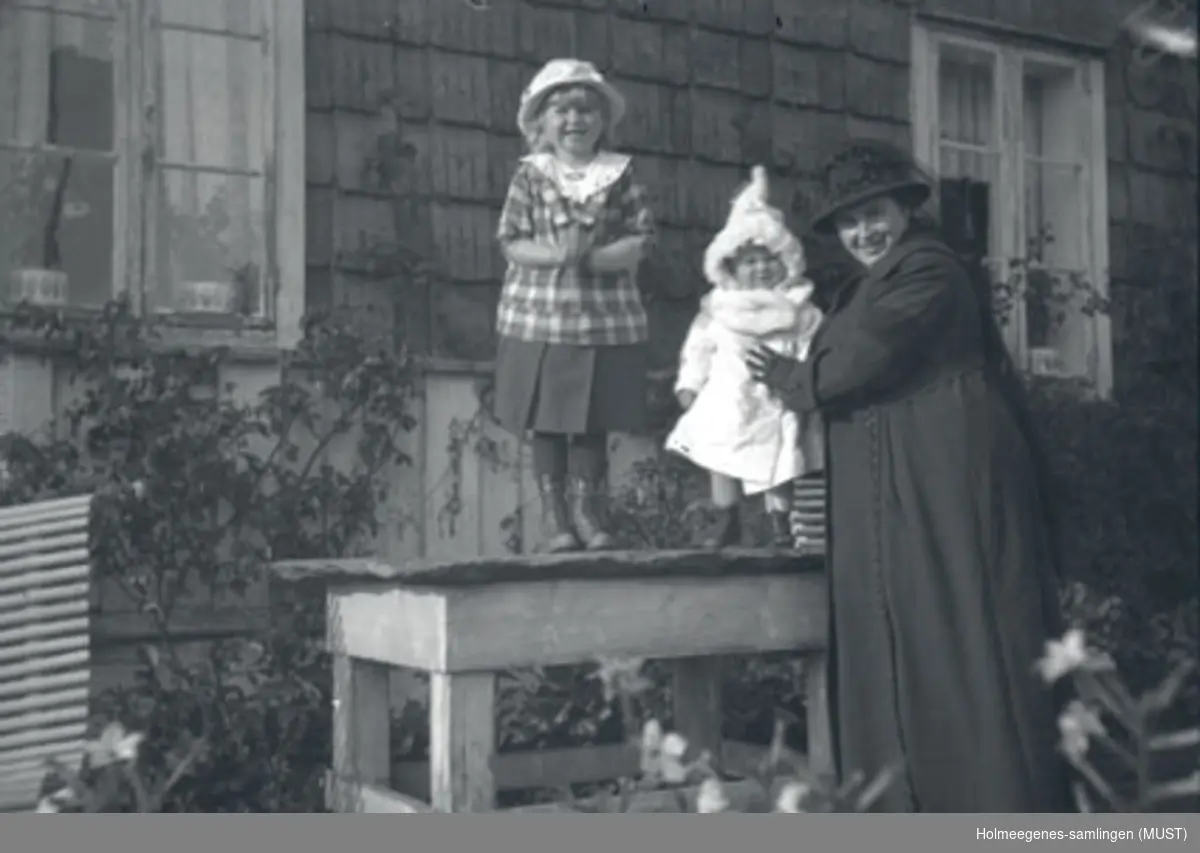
column 752, row 220
column 556, row 74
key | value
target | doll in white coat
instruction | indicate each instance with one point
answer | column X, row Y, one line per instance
column 732, row 426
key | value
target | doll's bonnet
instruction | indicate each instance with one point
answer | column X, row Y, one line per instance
column 752, row 220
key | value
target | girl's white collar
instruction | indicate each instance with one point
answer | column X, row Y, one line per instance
column 604, row 171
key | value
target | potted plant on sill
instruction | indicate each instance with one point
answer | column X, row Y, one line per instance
column 206, row 279
column 32, row 202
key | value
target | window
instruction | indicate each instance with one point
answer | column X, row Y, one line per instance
column 1016, row 137
column 154, row 148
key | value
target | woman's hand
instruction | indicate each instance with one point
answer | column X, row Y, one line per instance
column 770, row 368
column 686, row 398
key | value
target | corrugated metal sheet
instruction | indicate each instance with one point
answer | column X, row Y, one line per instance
column 45, row 653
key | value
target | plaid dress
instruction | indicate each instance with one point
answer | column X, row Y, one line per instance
column 569, row 305
column 571, row 356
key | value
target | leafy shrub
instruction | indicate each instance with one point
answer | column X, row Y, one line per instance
column 1126, row 475
column 203, row 491
column 1128, row 727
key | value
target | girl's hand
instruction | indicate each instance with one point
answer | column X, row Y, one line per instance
column 576, row 244
column 769, row 367
column 624, row 254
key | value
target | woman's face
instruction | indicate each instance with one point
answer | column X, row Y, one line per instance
column 573, row 120
column 755, row 267
column 869, row 230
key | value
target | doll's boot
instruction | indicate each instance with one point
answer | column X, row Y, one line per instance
column 588, row 514
column 729, row 529
column 557, row 534
column 781, row 530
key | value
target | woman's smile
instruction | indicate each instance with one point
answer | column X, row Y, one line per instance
column 869, row 230
column 874, row 243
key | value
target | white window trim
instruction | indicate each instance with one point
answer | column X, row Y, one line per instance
column 133, row 241
column 926, row 39
column 291, row 128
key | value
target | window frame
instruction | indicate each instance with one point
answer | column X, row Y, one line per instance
column 1010, row 54
column 137, row 176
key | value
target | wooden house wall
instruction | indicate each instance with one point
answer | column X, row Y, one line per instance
column 713, row 86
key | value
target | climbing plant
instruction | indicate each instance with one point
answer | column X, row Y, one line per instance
column 202, row 489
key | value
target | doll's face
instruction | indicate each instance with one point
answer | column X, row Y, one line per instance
column 870, row 230
column 573, row 120
column 754, row 267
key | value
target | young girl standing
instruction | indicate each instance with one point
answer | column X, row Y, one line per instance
column 732, row 426
column 571, row 360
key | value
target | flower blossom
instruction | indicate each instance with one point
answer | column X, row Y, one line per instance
column 791, row 796
column 652, row 736
column 671, row 765
column 621, row 675
column 114, row 744
column 46, row 806
column 1077, row 723
column 1063, row 656
column 711, row 799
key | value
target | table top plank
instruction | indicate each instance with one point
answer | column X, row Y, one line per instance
column 599, row 565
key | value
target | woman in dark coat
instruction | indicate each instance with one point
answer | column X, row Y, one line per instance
column 941, row 569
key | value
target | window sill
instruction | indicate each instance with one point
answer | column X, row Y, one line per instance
column 247, row 341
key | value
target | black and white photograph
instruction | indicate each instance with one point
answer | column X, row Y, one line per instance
column 599, row 406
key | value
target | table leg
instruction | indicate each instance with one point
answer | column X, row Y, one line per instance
column 361, row 720
column 696, row 691
column 462, row 741
column 820, row 739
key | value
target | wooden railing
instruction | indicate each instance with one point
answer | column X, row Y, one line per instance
column 464, row 622
column 44, row 642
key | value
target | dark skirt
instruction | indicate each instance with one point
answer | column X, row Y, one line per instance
column 560, row 388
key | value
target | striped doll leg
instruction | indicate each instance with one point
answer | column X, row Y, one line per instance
column 808, row 512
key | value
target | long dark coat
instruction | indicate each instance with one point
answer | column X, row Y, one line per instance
column 942, row 585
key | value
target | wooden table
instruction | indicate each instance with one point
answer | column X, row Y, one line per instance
column 464, row 622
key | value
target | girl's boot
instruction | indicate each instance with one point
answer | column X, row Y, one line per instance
column 588, row 467
column 557, row 534
column 781, row 530
column 588, row 498
column 729, row 529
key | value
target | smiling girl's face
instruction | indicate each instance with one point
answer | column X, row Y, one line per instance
column 573, row 120
column 870, row 230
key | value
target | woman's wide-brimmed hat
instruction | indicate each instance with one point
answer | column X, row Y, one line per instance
column 559, row 73
column 866, row 169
